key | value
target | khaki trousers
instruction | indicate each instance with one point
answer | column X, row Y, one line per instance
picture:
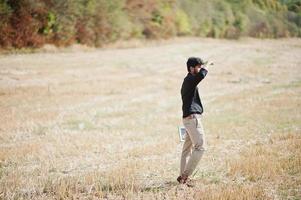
column 194, row 144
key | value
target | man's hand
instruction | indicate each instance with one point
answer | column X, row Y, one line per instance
column 210, row 63
column 206, row 64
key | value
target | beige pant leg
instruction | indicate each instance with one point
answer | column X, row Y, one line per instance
column 195, row 130
column 186, row 152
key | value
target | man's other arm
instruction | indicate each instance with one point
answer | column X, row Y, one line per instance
column 199, row 76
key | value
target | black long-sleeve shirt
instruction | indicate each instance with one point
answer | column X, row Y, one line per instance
column 190, row 94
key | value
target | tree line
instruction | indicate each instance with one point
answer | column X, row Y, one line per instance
column 33, row 23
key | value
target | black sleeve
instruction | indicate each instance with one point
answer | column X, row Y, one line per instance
column 199, row 76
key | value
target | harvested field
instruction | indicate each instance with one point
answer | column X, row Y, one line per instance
column 102, row 123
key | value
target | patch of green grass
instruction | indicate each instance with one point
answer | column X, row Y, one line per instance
column 211, row 176
column 1, row 170
column 40, row 130
column 263, row 61
column 77, row 124
column 292, row 84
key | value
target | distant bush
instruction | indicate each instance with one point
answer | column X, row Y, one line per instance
column 183, row 26
column 235, row 18
column 32, row 23
column 20, row 23
column 5, row 27
column 292, row 5
column 154, row 18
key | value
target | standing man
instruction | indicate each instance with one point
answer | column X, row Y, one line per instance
column 194, row 145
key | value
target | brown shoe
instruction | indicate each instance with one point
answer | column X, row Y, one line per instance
column 179, row 179
column 182, row 179
column 185, row 180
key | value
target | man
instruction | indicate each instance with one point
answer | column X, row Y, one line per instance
column 194, row 145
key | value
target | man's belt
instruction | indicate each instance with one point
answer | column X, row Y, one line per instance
column 193, row 116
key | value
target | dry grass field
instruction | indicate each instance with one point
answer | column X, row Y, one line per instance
column 102, row 123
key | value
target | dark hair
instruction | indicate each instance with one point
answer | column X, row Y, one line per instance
column 194, row 61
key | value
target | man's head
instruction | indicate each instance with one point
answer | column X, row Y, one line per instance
column 194, row 64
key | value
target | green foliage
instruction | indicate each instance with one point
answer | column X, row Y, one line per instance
column 268, row 4
column 67, row 12
column 183, row 25
column 4, row 8
column 235, row 18
column 212, row 18
column 293, row 5
column 49, row 27
column 5, row 28
column 241, row 21
column 32, row 23
column 155, row 18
